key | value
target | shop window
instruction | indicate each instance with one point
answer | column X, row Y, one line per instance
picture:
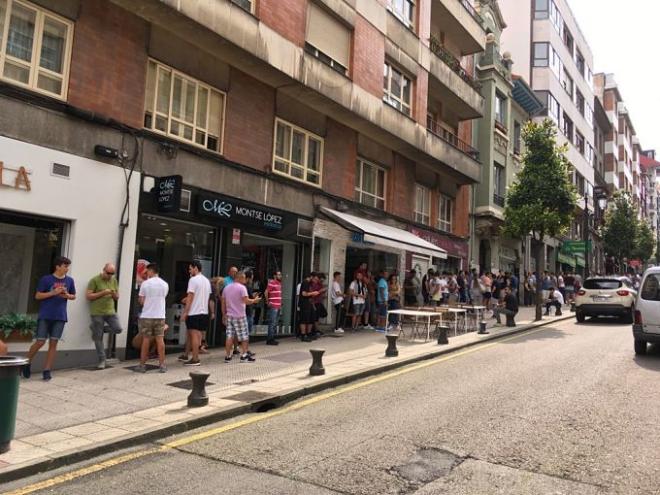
column 183, row 108
column 422, row 204
column 28, row 247
column 445, row 210
column 370, row 184
column 327, row 38
column 297, row 153
column 37, row 48
column 397, row 88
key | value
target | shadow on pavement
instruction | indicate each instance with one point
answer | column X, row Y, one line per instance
column 602, row 320
column 651, row 361
column 546, row 334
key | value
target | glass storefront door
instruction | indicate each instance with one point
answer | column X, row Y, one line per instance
column 263, row 256
column 172, row 244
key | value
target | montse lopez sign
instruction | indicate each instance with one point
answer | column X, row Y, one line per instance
column 168, row 193
column 232, row 210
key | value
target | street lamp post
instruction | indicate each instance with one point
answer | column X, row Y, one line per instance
column 586, row 235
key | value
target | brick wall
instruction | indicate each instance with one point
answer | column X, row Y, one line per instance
column 401, row 188
column 249, row 121
column 340, row 154
column 109, row 62
column 461, row 218
column 287, row 17
column 368, row 57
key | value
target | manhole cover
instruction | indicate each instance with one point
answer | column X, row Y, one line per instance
column 186, row 384
column 428, row 465
column 289, row 357
column 249, row 396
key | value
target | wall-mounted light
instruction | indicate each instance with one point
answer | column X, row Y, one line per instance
column 106, row 152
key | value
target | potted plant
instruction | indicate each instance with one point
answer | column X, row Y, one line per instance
column 15, row 327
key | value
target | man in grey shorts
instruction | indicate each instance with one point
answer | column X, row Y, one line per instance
column 102, row 293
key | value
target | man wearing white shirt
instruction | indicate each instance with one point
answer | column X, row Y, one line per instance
column 151, row 323
column 196, row 314
column 556, row 300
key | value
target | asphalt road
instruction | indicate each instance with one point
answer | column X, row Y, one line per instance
column 567, row 409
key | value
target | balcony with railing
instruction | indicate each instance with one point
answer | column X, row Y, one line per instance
column 462, row 22
column 449, row 137
column 452, row 62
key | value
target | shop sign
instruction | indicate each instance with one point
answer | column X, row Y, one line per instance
column 168, row 193
column 21, row 178
column 233, row 210
column 455, row 248
column 236, row 237
column 575, row 247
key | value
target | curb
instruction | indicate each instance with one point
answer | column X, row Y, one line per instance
column 275, row 400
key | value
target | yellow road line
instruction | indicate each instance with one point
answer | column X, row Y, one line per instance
column 115, row 461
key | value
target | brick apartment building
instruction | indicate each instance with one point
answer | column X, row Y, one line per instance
column 306, row 134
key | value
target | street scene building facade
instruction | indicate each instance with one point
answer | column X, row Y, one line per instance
column 288, row 135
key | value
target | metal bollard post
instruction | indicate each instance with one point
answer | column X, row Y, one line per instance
column 442, row 335
column 391, row 350
column 198, row 397
column 482, row 328
column 317, row 369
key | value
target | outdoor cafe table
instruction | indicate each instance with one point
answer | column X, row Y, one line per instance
column 417, row 314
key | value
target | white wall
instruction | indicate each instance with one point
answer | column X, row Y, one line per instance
column 517, row 34
column 92, row 199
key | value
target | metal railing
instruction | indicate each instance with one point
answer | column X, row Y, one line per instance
column 452, row 62
column 470, row 8
column 498, row 200
column 449, row 137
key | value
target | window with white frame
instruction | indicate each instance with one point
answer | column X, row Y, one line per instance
column 370, row 184
column 500, row 109
column 553, row 108
column 397, row 88
column 297, row 153
column 445, row 208
column 567, row 82
column 183, row 108
column 541, row 54
column 35, row 48
column 555, row 63
column 422, row 204
column 404, row 10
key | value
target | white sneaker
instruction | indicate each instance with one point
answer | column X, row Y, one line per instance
column 339, row 330
column 101, row 365
column 369, row 327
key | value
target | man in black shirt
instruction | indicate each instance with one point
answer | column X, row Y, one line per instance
column 509, row 307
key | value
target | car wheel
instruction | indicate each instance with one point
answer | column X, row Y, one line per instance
column 579, row 316
column 629, row 317
column 640, row 347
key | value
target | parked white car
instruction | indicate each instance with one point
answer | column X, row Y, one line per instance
column 646, row 327
column 606, row 296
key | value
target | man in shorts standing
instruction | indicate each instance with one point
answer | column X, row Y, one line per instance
column 54, row 291
column 234, row 301
column 151, row 297
column 196, row 313
column 103, row 292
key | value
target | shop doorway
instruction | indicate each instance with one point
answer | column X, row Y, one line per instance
column 375, row 260
column 172, row 244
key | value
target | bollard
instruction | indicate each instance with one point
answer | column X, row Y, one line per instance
column 391, row 350
column 198, row 397
column 482, row 328
column 317, row 369
column 442, row 335
column 10, row 369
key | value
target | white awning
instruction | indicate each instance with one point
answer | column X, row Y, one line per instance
column 378, row 233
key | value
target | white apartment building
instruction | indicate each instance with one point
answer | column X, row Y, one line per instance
column 552, row 54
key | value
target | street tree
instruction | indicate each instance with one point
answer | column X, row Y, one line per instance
column 542, row 200
column 644, row 242
column 620, row 231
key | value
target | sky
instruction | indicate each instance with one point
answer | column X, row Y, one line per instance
column 624, row 39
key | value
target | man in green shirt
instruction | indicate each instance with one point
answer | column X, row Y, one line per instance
column 103, row 292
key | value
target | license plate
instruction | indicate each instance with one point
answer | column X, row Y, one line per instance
column 600, row 299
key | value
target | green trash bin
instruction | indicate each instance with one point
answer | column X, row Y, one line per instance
column 10, row 372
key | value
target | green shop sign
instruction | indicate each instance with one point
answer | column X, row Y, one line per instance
column 575, row 247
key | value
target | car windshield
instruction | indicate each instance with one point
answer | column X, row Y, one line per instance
column 651, row 288
column 602, row 284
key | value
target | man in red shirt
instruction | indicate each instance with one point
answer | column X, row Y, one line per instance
column 274, row 302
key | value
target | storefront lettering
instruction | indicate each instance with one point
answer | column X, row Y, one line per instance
column 241, row 212
column 21, row 181
column 168, row 195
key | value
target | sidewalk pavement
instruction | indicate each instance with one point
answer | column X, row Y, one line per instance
column 86, row 412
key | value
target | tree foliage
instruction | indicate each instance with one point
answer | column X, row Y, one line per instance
column 542, row 199
column 624, row 236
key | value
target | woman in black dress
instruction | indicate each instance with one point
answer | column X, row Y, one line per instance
column 307, row 313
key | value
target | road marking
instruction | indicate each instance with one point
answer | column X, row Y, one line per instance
column 115, row 461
